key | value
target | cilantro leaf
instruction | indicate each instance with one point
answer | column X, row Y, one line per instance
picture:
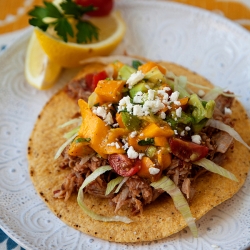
column 86, row 32
column 38, row 13
column 52, row 10
column 63, row 27
column 70, row 8
column 38, row 23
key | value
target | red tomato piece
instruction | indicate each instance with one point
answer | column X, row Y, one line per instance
column 99, row 76
column 123, row 165
column 89, row 81
column 103, row 7
column 187, row 151
column 92, row 79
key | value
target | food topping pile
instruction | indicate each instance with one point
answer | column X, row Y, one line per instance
column 143, row 132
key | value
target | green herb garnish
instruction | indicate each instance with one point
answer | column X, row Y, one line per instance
column 148, row 141
column 86, row 31
column 79, row 140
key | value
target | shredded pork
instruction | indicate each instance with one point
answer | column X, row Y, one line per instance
column 136, row 192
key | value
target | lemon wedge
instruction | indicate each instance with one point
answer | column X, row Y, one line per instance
column 70, row 54
column 40, row 71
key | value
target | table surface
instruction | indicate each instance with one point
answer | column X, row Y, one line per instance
column 14, row 18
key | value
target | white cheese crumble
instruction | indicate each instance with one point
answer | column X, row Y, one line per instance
column 102, row 112
column 227, row 111
column 182, row 133
column 114, row 144
column 138, row 110
column 133, row 134
column 132, row 154
column 151, row 94
column 125, row 103
column 135, row 78
column 201, row 93
column 174, row 96
column 162, row 115
column 153, row 170
column 178, row 112
column 196, row 139
column 109, row 119
column 141, row 155
column 187, row 128
column 138, row 98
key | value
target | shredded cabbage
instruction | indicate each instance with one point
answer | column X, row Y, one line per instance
column 112, row 184
column 120, row 185
column 72, row 121
column 222, row 126
column 213, row 94
column 95, row 216
column 65, row 144
column 94, row 175
column 179, row 200
column 88, row 211
column 72, row 132
column 212, row 167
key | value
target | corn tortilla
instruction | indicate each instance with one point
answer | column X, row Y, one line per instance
column 159, row 219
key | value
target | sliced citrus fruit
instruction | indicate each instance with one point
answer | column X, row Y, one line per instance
column 70, row 54
column 40, row 71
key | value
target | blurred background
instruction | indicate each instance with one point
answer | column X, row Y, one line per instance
column 13, row 12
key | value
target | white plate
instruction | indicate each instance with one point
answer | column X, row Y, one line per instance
column 204, row 42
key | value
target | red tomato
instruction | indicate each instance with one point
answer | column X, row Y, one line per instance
column 93, row 79
column 89, row 81
column 99, row 76
column 123, row 165
column 187, row 151
column 103, row 7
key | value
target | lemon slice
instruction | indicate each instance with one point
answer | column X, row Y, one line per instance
column 40, row 71
column 70, row 54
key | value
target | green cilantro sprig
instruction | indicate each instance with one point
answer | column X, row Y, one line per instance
column 86, row 31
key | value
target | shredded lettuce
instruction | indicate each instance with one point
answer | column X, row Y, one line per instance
column 179, row 200
column 212, row 167
column 94, row 175
column 89, row 212
column 213, row 94
column 72, row 121
column 65, row 144
column 71, row 132
column 120, row 185
column 222, row 126
column 112, row 184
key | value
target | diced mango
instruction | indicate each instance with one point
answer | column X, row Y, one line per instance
column 160, row 141
column 94, row 99
column 119, row 120
column 133, row 141
column 149, row 65
column 164, row 158
column 146, row 164
column 113, row 137
column 92, row 127
column 153, row 130
column 109, row 90
column 79, row 148
column 183, row 102
column 116, row 67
